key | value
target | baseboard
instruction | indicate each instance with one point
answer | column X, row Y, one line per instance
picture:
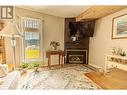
column 94, row 67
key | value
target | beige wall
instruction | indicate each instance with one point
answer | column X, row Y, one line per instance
column 101, row 44
column 53, row 29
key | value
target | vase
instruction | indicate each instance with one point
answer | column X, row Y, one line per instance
column 54, row 48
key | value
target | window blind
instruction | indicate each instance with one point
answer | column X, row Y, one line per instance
column 31, row 25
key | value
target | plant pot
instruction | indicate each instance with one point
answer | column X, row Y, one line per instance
column 35, row 69
column 23, row 71
column 54, row 48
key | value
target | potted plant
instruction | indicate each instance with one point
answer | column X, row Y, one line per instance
column 123, row 53
column 114, row 50
column 36, row 66
column 54, row 44
column 24, row 67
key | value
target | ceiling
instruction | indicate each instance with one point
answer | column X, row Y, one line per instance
column 96, row 12
column 60, row 11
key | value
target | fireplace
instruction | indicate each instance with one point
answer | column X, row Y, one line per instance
column 76, row 56
column 76, row 48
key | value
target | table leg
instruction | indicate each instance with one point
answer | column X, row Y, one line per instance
column 49, row 62
column 59, row 59
column 62, row 61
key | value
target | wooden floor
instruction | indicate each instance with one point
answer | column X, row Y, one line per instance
column 115, row 79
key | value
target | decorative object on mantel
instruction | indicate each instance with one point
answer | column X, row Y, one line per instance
column 114, row 50
column 119, row 29
column 118, row 51
column 123, row 53
column 54, row 45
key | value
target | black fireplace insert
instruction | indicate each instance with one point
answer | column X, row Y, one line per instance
column 76, row 56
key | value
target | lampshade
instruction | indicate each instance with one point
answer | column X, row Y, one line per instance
column 10, row 30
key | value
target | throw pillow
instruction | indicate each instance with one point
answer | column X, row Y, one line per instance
column 2, row 72
column 5, row 68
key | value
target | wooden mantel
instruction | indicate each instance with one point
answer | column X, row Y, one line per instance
column 96, row 12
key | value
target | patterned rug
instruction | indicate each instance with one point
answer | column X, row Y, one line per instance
column 57, row 78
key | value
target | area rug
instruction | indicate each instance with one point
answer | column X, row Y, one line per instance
column 66, row 78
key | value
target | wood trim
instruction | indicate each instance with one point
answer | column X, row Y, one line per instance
column 1, row 25
column 2, row 44
column 112, row 28
column 113, row 25
column 96, row 12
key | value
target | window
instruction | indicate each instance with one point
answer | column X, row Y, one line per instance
column 32, row 45
column 32, row 48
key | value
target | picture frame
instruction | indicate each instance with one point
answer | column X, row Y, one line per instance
column 119, row 27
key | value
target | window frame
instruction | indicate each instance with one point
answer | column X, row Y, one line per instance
column 23, row 59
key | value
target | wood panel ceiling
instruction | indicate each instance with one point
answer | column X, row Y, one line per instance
column 96, row 12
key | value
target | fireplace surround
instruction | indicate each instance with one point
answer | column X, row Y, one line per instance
column 76, row 56
column 76, row 48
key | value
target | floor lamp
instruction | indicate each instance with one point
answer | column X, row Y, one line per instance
column 11, row 30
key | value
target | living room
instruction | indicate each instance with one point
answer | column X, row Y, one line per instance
column 50, row 45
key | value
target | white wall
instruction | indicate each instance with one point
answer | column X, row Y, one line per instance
column 53, row 29
column 101, row 44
